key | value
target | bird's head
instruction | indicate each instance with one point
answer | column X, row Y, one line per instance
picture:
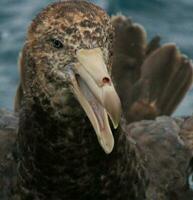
column 68, row 52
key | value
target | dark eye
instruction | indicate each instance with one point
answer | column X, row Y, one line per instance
column 57, row 44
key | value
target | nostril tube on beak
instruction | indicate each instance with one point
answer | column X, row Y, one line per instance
column 106, row 80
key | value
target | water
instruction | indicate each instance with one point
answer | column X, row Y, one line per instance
column 173, row 20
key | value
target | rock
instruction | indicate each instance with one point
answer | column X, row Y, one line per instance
column 8, row 166
column 8, row 120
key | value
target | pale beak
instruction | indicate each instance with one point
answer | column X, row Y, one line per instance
column 95, row 92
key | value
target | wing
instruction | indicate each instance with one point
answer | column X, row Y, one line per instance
column 150, row 79
column 129, row 52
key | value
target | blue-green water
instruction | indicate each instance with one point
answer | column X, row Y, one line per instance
column 172, row 19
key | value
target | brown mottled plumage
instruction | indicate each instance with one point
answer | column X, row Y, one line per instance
column 77, row 25
column 59, row 156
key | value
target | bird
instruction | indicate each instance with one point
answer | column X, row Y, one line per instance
column 67, row 104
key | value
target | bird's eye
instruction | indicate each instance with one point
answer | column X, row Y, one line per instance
column 57, row 44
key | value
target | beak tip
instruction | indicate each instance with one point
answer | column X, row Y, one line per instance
column 107, row 145
column 108, row 150
column 116, row 119
column 115, row 125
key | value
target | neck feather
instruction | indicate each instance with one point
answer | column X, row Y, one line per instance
column 63, row 160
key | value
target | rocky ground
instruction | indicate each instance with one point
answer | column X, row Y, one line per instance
column 8, row 127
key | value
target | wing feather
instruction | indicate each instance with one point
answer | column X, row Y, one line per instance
column 151, row 79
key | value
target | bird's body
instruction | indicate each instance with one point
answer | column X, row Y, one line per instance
column 57, row 145
column 64, row 161
column 64, row 99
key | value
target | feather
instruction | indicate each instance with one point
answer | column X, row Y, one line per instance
column 156, row 81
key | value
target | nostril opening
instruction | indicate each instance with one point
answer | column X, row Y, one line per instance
column 106, row 80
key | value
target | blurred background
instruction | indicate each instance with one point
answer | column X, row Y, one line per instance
column 172, row 20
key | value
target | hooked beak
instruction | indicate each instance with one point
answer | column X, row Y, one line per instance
column 95, row 92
